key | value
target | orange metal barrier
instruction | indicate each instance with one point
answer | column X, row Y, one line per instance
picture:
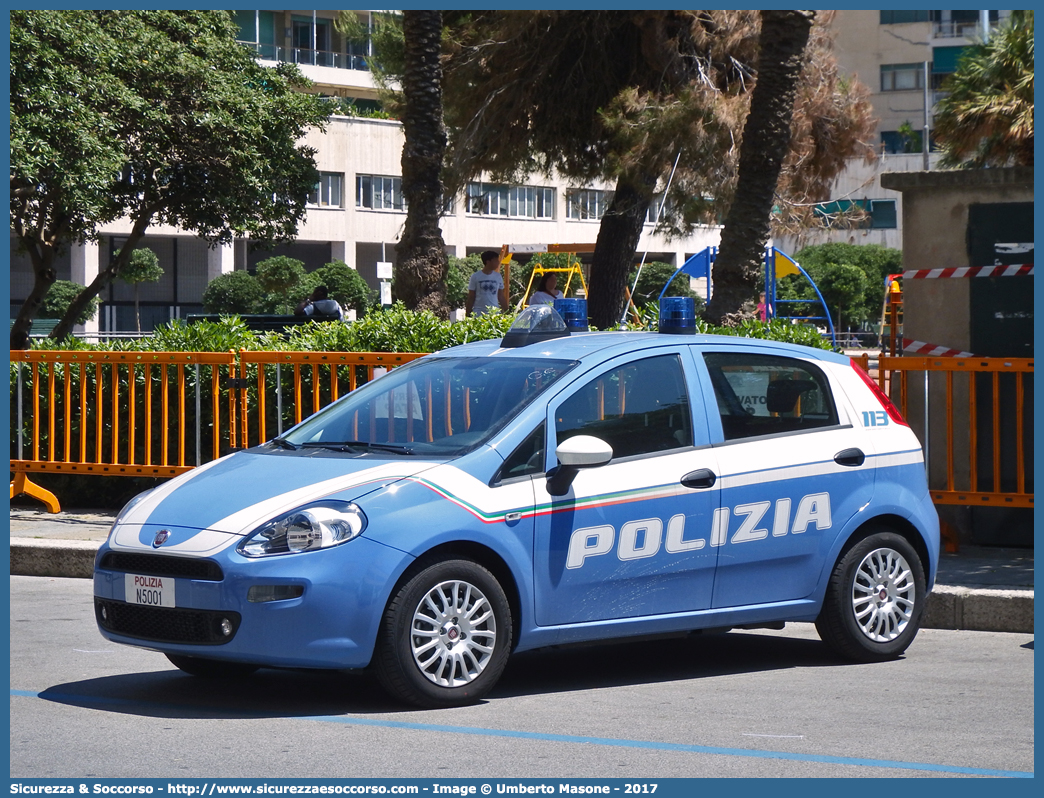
column 160, row 414
column 279, row 389
column 974, row 418
column 116, row 413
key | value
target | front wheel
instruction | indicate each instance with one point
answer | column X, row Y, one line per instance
column 211, row 668
column 875, row 599
column 445, row 637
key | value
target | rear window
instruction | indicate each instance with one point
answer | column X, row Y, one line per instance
column 769, row 395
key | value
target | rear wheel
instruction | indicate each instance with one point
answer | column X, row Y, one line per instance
column 875, row 599
column 211, row 668
column 445, row 637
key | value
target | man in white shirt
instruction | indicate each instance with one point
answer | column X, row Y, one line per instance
column 486, row 287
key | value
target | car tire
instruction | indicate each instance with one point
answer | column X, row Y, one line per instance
column 211, row 668
column 875, row 599
column 445, row 636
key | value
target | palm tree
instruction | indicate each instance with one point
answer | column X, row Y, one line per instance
column 421, row 272
column 987, row 117
column 614, row 97
column 766, row 140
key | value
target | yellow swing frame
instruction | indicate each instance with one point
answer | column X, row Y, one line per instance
column 574, row 267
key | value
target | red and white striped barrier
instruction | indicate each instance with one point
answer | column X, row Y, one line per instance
column 931, row 350
column 1013, row 270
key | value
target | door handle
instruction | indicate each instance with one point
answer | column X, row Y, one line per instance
column 700, row 478
column 850, row 457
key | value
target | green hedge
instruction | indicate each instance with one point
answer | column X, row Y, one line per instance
column 395, row 329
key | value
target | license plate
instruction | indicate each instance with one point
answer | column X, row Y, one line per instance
column 154, row 591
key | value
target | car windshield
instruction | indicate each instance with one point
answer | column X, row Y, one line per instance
column 440, row 407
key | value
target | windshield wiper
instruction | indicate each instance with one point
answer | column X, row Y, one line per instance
column 284, row 443
column 353, row 446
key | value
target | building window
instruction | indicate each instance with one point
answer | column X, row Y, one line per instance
column 311, row 40
column 587, row 203
column 880, row 214
column 525, row 202
column 895, row 16
column 902, row 77
column 257, row 31
column 329, row 191
column 883, row 215
column 379, row 193
column 657, row 210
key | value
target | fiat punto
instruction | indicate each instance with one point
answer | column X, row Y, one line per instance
column 543, row 489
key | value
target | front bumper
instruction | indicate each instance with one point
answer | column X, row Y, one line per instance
column 332, row 624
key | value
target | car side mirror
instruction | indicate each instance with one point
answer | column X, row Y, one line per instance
column 580, row 451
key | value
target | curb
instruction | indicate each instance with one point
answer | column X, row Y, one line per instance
column 979, row 609
column 41, row 557
column 970, row 609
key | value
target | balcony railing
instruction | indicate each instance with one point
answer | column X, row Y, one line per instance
column 957, row 30
column 299, row 55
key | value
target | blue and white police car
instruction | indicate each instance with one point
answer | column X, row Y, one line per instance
column 544, row 489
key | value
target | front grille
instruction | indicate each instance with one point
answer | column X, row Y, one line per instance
column 162, row 565
column 164, row 624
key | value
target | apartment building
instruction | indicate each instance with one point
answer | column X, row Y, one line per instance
column 904, row 58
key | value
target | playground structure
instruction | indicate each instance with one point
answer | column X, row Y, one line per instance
column 777, row 264
column 572, row 270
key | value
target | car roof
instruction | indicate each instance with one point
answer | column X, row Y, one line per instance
column 602, row 345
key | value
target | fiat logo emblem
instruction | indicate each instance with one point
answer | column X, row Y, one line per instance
column 161, row 538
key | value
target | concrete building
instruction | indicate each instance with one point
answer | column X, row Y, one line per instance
column 903, row 57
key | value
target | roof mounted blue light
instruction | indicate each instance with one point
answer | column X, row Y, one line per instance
column 533, row 325
column 678, row 315
column 574, row 312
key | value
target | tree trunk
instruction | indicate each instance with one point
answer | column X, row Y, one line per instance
column 617, row 241
column 766, row 139
column 44, row 276
column 421, row 271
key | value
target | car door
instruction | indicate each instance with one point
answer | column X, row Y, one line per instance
column 632, row 537
column 793, row 471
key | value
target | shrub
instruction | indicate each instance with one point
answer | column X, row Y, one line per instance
column 227, row 333
column 233, row 292
column 346, row 286
column 822, row 261
column 60, row 296
column 280, row 277
column 457, row 276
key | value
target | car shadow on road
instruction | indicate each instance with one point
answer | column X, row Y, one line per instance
column 643, row 661
column 295, row 693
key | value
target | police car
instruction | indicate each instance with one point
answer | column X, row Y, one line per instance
column 544, row 489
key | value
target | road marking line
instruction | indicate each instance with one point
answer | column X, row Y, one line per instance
column 567, row 738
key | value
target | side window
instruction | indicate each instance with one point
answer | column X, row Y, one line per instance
column 639, row 408
column 769, row 395
column 527, row 459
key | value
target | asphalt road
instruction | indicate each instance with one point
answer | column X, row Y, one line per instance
column 747, row 704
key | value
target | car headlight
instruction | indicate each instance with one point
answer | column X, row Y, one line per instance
column 316, row 526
